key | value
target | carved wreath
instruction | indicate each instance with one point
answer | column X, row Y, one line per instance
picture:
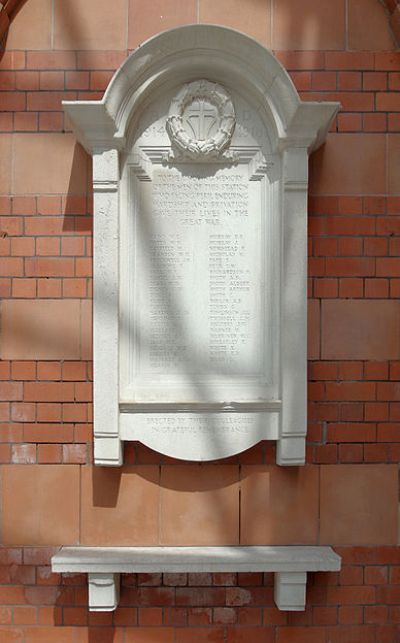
column 189, row 148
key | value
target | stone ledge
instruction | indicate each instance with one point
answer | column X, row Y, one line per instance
column 290, row 565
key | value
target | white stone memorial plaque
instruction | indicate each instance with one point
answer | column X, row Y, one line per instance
column 200, row 172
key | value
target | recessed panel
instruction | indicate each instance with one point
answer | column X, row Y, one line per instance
column 200, row 307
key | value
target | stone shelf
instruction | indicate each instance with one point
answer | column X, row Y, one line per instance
column 290, row 565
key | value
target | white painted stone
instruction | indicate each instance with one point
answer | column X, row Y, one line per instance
column 200, row 149
column 103, row 592
column 104, row 564
column 290, row 591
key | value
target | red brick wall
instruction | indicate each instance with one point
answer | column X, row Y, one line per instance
column 346, row 495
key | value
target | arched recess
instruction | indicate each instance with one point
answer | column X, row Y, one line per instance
column 186, row 406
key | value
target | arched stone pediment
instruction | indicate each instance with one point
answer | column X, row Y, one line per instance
column 200, row 51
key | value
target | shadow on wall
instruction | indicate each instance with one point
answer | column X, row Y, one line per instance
column 78, row 210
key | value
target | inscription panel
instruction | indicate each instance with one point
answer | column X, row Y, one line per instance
column 210, row 435
column 199, row 292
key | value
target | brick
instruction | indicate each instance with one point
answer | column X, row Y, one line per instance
column 25, row 615
column 23, row 247
column 374, row 122
column 352, row 634
column 290, row 24
column 10, row 391
column 394, row 247
column 360, row 330
column 150, row 616
column 142, row 25
column 25, row 205
column 48, row 246
column 374, row 33
column 326, row 288
column 99, row 80
column 395, row 370
column 332, row 170
column 51, row 329
column 51, row 121
column 394, row 122
column 49, row 288
column 301, row 80
column 74, row 288
column 351, row 453
column 375, row 453
column 351, row 575
column 104, row 30
column 48, row 433
column 44, row 101
column 100, row 59
column 24, row 288
column 350, row 80
column 25, row 122
column 353, row 412
column 7, row 80
column 13, row 60
column 74, row 371
column 27, row 80
column 75, row 412
column 51, row 80
column 49, row 392
column 375, row 247
column 48, row 371
column 6, row 122
column 350, row 60
column 54, row 267
column 388, row 432
column 388, row 225
column 12, row 101
column 349, row 122
column 376, row 411
column 23, row 412
column 49, row 453
column 49, row 205
column 11, row 226
column 323, row 80
column 11, row 267
column 30, row 27
column 348, row 432
column 258, row 483
column 25, row 486
column 393, row 162
column 23, row 454
column 63, row 166
column 77, row 80
column 300, row 635
column 349, row 267
column 375, row 81
column 387, row 102
column 352, row 511
column 376, row 575
column 51, row 60
column 388, row 391
column 351, row 287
